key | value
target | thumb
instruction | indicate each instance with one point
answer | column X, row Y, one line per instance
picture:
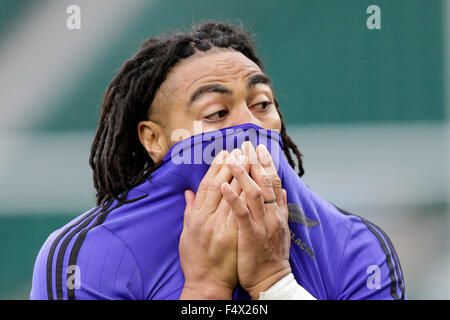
column 189, row 197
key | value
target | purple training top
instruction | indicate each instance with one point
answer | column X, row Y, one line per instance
column 130, row 251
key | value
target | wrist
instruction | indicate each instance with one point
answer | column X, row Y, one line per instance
column 268, row 282
column 286, row 289
column 206, row 292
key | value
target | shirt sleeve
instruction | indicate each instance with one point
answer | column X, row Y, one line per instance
column 105, row 269
column 370, row 268
column 108, row 269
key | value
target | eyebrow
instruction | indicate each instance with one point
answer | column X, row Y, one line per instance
column 259, row 78
column 208, row 88
column 251, row 82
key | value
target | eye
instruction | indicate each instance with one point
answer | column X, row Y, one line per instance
column 217, row 115
column 263, row 106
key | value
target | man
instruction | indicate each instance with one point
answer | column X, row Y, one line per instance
column 229, row 238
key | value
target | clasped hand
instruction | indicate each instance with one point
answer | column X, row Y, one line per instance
column 236, row 227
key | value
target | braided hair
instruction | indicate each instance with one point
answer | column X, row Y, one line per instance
column 118, row 159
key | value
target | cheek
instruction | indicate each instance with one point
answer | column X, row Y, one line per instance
column 205, row 126
column 179, row 126
column 274, row 121
column 278, row 125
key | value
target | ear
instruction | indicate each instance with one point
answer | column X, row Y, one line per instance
column 153, row 139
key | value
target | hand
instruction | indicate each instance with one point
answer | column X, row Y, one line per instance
column 262, row 218
column 208, row 242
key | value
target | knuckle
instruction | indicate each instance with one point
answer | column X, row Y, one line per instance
column 277, row 222
column 242, row 213
column 267, row 181
column 233, row 197
column 204, row 184
column 219, row 237
column 276, row 181
column 256, row 193
column 214, row 185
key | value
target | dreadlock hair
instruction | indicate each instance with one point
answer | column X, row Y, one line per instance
column 118, row 159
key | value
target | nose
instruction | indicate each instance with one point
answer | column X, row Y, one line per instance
column 242, row 114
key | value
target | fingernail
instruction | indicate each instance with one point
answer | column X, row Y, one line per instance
column 242, row 159
column 232, row 160
column 236, row 152
column 251, row 153
column 264, row 155
column 246, row 145
column 220, row 157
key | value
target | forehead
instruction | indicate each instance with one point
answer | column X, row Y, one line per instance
column 216, row 64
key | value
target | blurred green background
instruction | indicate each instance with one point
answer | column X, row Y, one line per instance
column 369, row 109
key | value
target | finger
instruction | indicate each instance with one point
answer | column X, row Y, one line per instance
column 265, row 159
column 223, row 207
column 252, row 190
column 246, row 145
column 231, row 222
column 285, row 203
column 215, row 167
column 260, row 175
column 241, row 212
column 214, row 194
column 225, row 216
column 189, row 197
column 243, row 198
column 244, row 161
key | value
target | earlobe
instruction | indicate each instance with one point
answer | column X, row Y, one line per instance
column 153, row 140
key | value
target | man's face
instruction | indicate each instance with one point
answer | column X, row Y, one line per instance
column 214, row 89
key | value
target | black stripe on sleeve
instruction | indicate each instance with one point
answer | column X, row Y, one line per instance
column 77, row 246
column 52, row 252
column 389, row 258
column 398, row 267
column 101, row 216
column 62, row 251
column 82, row 223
